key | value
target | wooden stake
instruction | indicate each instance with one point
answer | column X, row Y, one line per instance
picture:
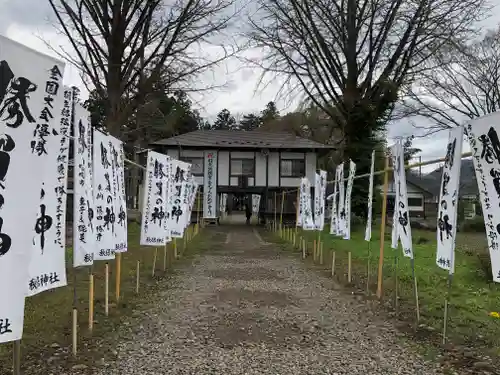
column 175, row 247
column 321, row 253
column 382, row 229
column 303, row 248
column 91, row 301
column 368, row 268
column 137, row 277
column 415, row 290
column 396, row 284
column 118, row 263
column 75, row 330
column 106, row 289
column 165, row 258
column 154, row 262
column 349, row 267
column 16, row 357
column 275, row 212
column 333, row 263
column 314, row 251
column 446, row 307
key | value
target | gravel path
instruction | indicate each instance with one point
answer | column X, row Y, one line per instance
column 242, row 308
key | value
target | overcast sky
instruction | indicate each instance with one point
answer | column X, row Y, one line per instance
column 29, row 22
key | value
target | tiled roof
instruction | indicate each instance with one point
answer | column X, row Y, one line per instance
column 241, row 139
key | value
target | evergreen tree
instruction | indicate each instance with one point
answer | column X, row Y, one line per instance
column 250, row 122
column 225, row 121
column 269, row 113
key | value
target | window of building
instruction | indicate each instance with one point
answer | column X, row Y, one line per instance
column 196, row 165
column 293, row 168
column 415, row 202
column 242, row 167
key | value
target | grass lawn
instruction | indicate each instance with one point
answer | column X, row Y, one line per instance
column 48, row 316
column 472, row 299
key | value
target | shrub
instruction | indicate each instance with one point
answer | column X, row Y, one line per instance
column 475, row 224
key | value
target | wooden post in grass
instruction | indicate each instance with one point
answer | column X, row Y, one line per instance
column 91, row 299
column 303, row 243
column 154, row 262
column 16, row 357
column 75, row 316
column 333, row 263
column 175, row 247
column 198, row 209
column 118, row 276
column 382, row 229
column 275, row 212
column 314, row 251
column 349, row 267
column 297, row 211
column 106, row 289
column 165, row 250
column 283, row 195
column 137, row 270
column 321, row 253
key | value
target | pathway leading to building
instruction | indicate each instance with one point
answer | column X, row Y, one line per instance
column 246, row 308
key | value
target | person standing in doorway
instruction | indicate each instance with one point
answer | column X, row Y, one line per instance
column 248, row 212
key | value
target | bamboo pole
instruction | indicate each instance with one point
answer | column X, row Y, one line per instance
column 118, row 264
column 106, row 289
column 16, row 357
column 349, row 267
column 155, row 256
column 333, row 263
column 275, row 212
column 165, row 250
column 91, row 300
column 75, row 316
column 283, row 195
column 137, row 277
column 382, row 229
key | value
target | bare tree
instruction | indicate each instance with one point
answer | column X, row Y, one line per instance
column 350, row 57
column 123, row 47
column 464, row 85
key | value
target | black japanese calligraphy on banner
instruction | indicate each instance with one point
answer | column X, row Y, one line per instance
column 30, row 92
column 181, row 173
column 305, row 197
column 210, row 185
column 448, row 201
column 485, row 146
column 154, row 224
column 84, row 239
column 49, row 235
column 120, row 200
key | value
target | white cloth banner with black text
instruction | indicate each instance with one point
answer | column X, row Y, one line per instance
column 120, row 201
column 305, row 197
column 448, row 201
column 31, row 91
column 154, row 223
column 368, row 230
column 84, row 235
column 47, row 268
column 347, row 204
column 341, row 209
column 485, row 146
column 333, row 217
column 181, row 171
column 255, row 204
column 402, row 214
column 210, row 185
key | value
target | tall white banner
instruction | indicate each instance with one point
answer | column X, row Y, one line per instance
column 31, row 98
column 448, row 201
column 350, row 182
column 47, row 269
column 186, row 201
column 333, row 218
column 84, row 235
column 485, row 145
column 223, row 203
column 402, row 214
column 105, row 194
column 368, row 230
column 305, row 197
column 179, row 186
column 341, row 211
column 154, row 223
column 210, row 185
column 120, row 201
column 192, row 199
column 255, row 204
column 319, row 200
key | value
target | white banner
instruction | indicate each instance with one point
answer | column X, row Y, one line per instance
column 341, row 210
column 223, row 203
column 192, row 199
column 448, row 201
column 118, row 170
column 255, row 204
column 179, row 177
column 305, row 197
column 104, row 197
column 333, row 217
column 186, row 201
column 319, row 200
column 394, row 233
column 84, row 236
column 154, row 223
column 350, row 182
column 31, row 98
column 210, row 185
column 368, row 230
column 485, row 145
column 47, row 269
column 402, row 215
